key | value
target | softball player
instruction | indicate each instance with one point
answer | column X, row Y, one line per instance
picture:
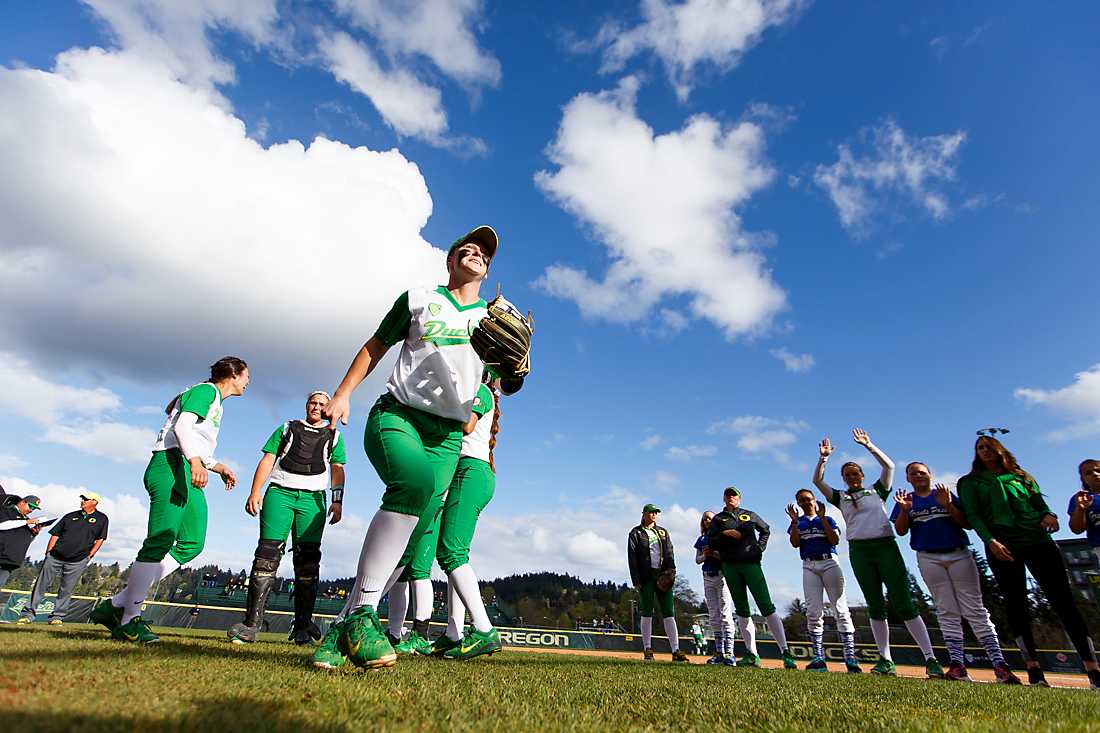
column 413, row 434
column 740, row 536
column 717, row 595
column 934, row 522
column 650, row 554
column 470, row 492
column 816, row 535
column 298, row 460
column 1005, row 507
column 175, row 479
column 876, row 560
column 1084, row 506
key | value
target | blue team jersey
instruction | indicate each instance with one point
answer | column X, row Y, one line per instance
column 1092, row 518
column 710, row 564
column 812, row 539
column 931, row 528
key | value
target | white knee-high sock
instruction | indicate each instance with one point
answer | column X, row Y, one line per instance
column 385, row 543
column 775, row 625
column 672, row 633
column 424, row 599
column 880, row 629
column 465, row 582
column 919, row 632
column 647, row 632
column 399, row 606
column 748, row 634
column 456, row 613
column 142, row 577
column 168, row 566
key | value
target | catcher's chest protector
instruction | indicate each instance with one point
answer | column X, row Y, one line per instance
column 304, row 449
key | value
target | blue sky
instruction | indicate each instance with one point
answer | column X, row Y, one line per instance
column 740, row 226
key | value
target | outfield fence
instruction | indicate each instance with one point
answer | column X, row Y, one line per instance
column 201, row 616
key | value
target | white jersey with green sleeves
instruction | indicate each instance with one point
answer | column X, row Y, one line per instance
column 864, row 512
column 205, row 401
column 437, row 370
column 476, row 444
column 281, row 477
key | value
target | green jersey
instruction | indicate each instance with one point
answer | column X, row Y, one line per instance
column 205, row 401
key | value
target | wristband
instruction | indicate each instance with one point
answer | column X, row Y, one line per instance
column 338, row 494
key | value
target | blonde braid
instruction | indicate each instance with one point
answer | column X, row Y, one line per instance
column 495, row 427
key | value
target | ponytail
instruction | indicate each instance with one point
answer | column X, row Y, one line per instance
column 495, row 427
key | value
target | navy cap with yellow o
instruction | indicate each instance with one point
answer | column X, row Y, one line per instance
column 484, row 235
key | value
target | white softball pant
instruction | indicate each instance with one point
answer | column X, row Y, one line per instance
column 719, row 605
column 952, row 579
column 820, row 577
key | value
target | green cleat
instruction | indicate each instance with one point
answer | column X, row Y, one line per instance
column 476, row 643
column 414, row 643
column 749, row 660
column 106, row 614
column 366, row 642
column 788, row 660
column 852, row 666
column 680, row 656
column 933, row 669
column 23, row 621
column 444, row 644
column 135, row 630
column 817, row 664
column 329, row 653
column 885, row 667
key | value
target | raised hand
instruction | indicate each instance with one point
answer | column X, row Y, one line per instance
column 904, row 499
column 942, row 495
column 860, row 436
column 792, row 512
column 825, row 448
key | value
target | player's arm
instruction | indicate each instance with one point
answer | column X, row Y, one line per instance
column 887, row 477
column 825, row 449
column 336, row 507
column 52, row 542
column 362, row 365
column 832, row 534
column 700, row 555
column 671, row 555
column 632, row 559
column 469, row 425
column 900, row 515
column 793, row 534
column 259, row 478
column 763, row 531
column 1078, row 511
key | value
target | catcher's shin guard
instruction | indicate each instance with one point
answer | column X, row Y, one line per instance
column 307, row 568
column 262, row 579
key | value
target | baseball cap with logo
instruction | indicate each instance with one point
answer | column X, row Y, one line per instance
column 33, row 501
column 91, row 496
column 650, row 508
column 731, row 490
column 484, row 235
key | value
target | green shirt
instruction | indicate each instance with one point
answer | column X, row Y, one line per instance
column 1004, row 507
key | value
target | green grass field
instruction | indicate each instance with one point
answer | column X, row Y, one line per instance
column 77, row 679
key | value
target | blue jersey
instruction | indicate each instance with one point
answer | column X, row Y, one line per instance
column 931, row 528
column 1092, row 518
column 711, row 563
column 812, row 539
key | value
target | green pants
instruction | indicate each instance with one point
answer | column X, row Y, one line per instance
column 471, row 491
column 420, row 552
column 877, row 563
column 744, row 578
column 415, row 454
column 177, row 510
column 292, row 510
column 650, row 591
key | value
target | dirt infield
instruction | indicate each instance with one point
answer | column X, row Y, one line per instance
column 978, row 675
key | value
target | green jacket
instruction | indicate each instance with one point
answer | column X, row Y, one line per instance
column 1004, row 507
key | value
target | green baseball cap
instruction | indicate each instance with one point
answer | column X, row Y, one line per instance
column 33, row 502
column 732, row 490
column 650, row 508
column 484, row 235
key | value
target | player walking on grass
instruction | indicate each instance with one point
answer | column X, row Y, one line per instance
column 1084, row 506
column 717, row 595
column 413, row 434
column 1003, row 504
column 298, row 460
column 740, row 536
column 470, row 492
column 876, row 560
column 175, row 478
column 934, row 521
column 816, row 536
column 652, row 563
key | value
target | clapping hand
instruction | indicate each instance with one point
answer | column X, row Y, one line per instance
column 820, row 506
column 904, row 499
column 792, row 512
column 942, row 495
column 1084, row 500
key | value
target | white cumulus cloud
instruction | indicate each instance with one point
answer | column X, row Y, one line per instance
column 894, row 164
column 664, row 206
column 689, row 452
column 689, row 34
column 1078, row 401
column 795, row 363
column 179, row 230
column 757, row 434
